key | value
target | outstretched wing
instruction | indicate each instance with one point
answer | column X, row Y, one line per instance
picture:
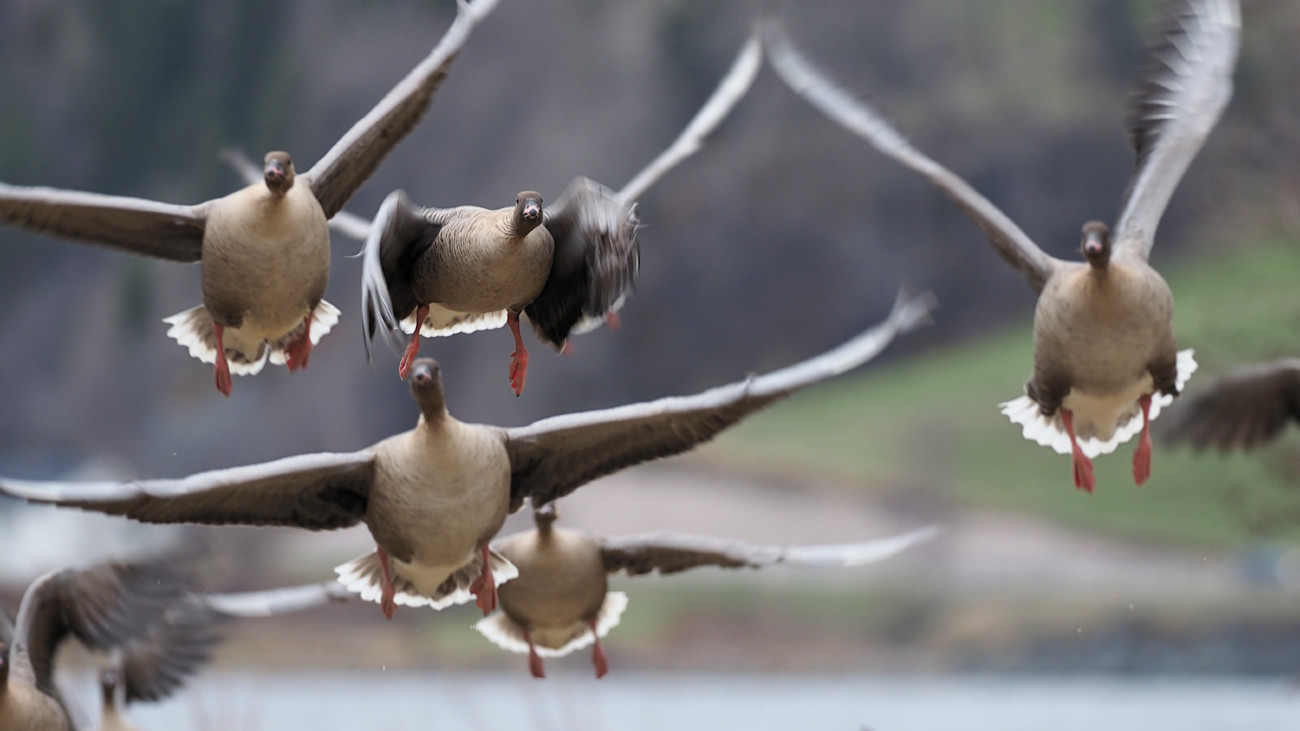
column 1244, row 410
column 813, row 85
column 314, row 491
column 399, row 236
column 356, row 155
column 155, row 664
column 135, row 225
column 669, row 553
column 1183, row 88
column 553, row 457
column 595, row 261
column 277, row 601
column 104, row 607
column 730, row 91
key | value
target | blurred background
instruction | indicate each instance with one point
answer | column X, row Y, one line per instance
column 783, row 237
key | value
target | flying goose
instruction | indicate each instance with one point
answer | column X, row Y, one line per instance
column 561, row 603
column 1243, row 410
column 156, row 664
column 103, row 606
column 1105, row 359
column 433, row 497
column 265, row 248
column 442, row 271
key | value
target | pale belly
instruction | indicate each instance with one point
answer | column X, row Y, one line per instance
column 490, row 278
column 554, row 589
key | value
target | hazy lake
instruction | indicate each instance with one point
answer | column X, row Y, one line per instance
column 393, row 702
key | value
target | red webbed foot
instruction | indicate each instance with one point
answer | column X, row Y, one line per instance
column 1142, row 457
column 519, row 358
column 299, row 351
column 1084, row 479
column 484, row 587
column 598, row 657
column 388, row 597
column 413, row 347
column 221, row 372
column 535, row 666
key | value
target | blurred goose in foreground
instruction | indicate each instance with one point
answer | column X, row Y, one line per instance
column 1243, row 410
column 442, row 271
column 154, row 665
column 104, row 607
column 1105, row 359
column 265, row 248
column 433, row 497
column 561, row 602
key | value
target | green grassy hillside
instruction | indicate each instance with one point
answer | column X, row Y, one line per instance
column 930, row 426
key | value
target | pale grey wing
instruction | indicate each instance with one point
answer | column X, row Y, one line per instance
column 104, row 607
column 277, row 601
column 314, row 491
column 356, row 155
column 1185, row 83
column 1244, row 410
column 730, row 91
column 553, row 457
column 595, row 262
column 669, row 553
column 348, row 224
column 156, row 664
column 135, row 225
column 813, row 85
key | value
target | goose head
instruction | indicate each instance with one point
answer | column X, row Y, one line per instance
column 528, row 212
column 544, row 517
column 277, row 171
column 1096, row 244
column 426, row 387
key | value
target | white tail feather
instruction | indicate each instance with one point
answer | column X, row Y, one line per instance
column 441, row 322
column 505, row 633
column 193, row 330
column 1050, row 431
column 323, row 319
column 364, row 577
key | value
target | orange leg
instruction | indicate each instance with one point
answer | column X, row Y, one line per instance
column 598, row 657
column 484, row 587
column 300, row 350
column 413, row 347
column 1142, row 457
column 534, row 660
column 388, row 599
column 612, row 320
column 222, row 370
column 519, row 358
column 1083, row 475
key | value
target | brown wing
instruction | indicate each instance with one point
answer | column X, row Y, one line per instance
column 669, row 553
column 1246, row 409
column 135, row 225
column 553, row 457
column 154, row 665
column 596, row 259
column 399, row 237
column 103, row 607
column 313, row 491
column 1183, row 88
column 858, row 117
column 356, row 155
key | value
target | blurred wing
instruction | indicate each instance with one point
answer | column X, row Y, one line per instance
column 139, row 226
column 277, row 601
column 1183, row 88
column 399, row 236
column 733, row 88
column 313, row 491
column 174, row 648
column 595, row 262
column 103, row 607
column 553, row 457
column 356, row 155
column 1245, row 410
column 246, row 168
column 813, row 85
column 669, row 553
column 6, row 631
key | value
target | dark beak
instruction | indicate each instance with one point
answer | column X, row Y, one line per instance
column 532, row 210
column 274, row 171
column 1092, row 246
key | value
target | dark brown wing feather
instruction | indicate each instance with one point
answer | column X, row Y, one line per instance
column 356, row 155
column 553, row 457
column 135, row 225
column 1244, row 410
column 313, row 491
column 103, row 607
column 155, row 665
column 596, row 259
column 399, row 237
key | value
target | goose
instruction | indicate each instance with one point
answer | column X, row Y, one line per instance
column 154, row 665
column 264, row 248
column 561, row 603
column 1246, row 409
column 1105, row 358
column 568, row 267
column 103, row 606
column 434, row 497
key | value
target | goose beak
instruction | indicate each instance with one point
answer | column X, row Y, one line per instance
column 532, row 210
column 274, row 171
column 1093, row 246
